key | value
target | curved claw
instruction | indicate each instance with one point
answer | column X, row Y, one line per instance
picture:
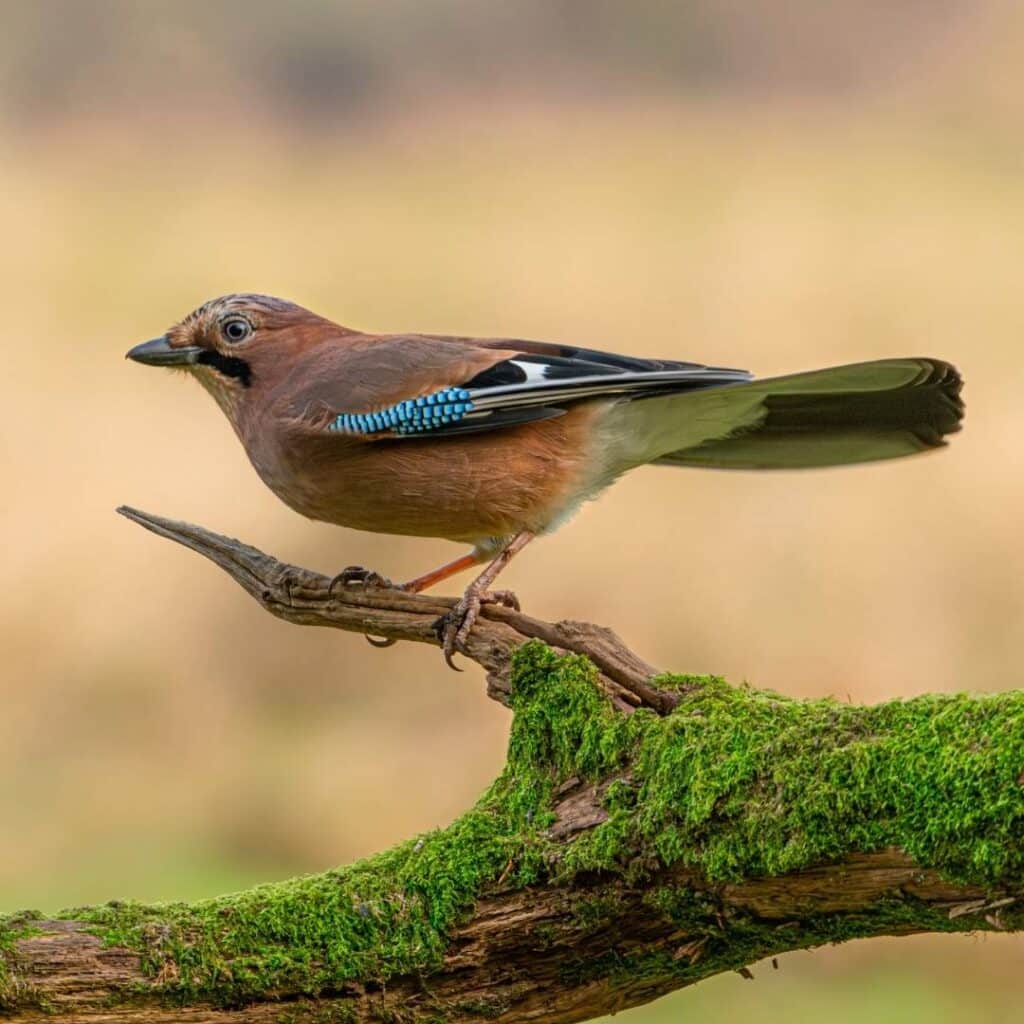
column 356, row 575
column 454, row 628
column 380, row 642
column 446, row 629
column 506, row 598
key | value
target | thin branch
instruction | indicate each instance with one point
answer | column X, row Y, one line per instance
column 302, row 596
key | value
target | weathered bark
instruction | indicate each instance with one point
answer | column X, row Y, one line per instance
column 567, row 939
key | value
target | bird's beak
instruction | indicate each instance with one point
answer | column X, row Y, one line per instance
column 160, row 352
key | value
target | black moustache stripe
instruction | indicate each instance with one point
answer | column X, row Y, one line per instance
column 229, row 366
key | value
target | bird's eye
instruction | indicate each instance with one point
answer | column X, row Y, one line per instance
column 236, row 329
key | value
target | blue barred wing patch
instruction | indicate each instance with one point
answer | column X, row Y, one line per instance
column 413, row 416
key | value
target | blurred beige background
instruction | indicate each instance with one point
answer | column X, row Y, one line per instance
column 771, row 186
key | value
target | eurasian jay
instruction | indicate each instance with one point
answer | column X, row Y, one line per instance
column 494, row 441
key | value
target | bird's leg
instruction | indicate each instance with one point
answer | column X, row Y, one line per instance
column 454, row 628
column 430, row 579
column 357, row 576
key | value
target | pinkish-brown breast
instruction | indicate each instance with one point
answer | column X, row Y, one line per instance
column 465, row 488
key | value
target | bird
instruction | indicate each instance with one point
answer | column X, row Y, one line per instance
column 493, row 442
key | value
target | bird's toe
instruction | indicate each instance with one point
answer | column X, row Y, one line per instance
column 506, row 598
column 447, row 629
column 471, row 605
column 453, row 628
column 357, row 576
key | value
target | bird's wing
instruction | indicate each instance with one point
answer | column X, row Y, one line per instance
column 419, row 386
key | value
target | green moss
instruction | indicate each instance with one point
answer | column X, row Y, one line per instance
column 13, row 927
column 734, row 783
column 738, row 782
column 384, row 916
column 388, row 915
column 596, row 910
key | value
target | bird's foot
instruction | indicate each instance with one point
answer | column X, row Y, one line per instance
column 364, row 579
column 506, row 598
column 357, row 576
column 453, row 628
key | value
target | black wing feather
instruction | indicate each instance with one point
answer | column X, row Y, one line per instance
column 544, row 381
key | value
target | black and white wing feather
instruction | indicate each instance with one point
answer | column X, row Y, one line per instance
column 540, row 382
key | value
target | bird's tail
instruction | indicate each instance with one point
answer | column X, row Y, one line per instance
column 845, row 414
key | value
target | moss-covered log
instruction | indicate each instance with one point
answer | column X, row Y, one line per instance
column 619, row 856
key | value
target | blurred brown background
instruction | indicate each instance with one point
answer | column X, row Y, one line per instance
column 777, row 186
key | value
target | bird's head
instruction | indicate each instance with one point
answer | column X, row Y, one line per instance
column 237, row 344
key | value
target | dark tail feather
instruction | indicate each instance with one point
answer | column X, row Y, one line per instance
column 804, row 424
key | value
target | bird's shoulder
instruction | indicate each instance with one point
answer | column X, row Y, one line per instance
column 367, row 371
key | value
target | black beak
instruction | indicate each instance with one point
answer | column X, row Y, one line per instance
column 159, row 352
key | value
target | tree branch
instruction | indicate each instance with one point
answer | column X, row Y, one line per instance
column 301, row 596
column 643, row 835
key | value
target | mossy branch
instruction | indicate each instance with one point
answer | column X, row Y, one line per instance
column 617, row 857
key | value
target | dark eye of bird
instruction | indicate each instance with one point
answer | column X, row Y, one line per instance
column 236, row 329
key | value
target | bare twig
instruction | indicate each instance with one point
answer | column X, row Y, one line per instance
column 303, row 596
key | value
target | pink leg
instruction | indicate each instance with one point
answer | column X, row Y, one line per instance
column 430, row 579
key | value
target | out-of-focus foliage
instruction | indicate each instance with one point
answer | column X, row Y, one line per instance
column 318, row 58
